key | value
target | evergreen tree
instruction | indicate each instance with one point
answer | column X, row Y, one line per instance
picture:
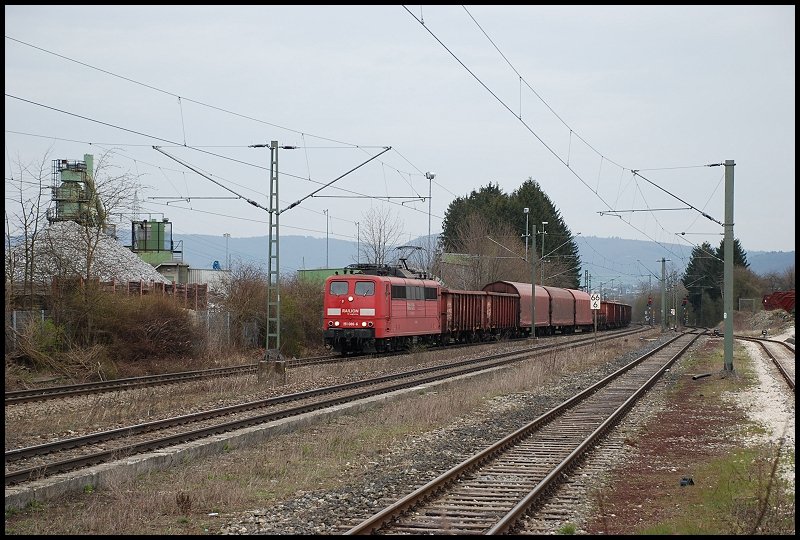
column 704, row 279
column 561, row 262
column 739, row 256
column 489, row 202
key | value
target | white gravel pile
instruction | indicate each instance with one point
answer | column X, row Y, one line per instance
column 61, row 251
column 770, row 403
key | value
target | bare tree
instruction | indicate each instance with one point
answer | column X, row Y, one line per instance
column 779, row 281
column 558, row 272
column 380, row 233
column 113, row 194
column 484, row 254
column 23, row 226
column 244, row 292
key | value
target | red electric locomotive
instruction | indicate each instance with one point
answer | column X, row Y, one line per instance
column 779, row 300
column 380, row 309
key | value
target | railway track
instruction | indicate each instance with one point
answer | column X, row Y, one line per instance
column 40, row 461
column 494, row 490
column 115, row 385
column 129, row 383
column 781, row 353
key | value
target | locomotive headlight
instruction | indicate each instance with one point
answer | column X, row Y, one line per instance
column 336, row 323
column 350, row 298
column 364, row 323
column 330, row 323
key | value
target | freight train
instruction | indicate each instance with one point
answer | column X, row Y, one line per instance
column 371, row 308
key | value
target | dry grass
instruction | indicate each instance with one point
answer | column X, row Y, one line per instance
column 322, row 456
column 104, row 411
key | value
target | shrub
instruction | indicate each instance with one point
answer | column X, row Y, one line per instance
column 149, row 327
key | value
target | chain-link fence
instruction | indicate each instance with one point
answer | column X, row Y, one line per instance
column 17, row 321
column 749, row 304
column 223, row 331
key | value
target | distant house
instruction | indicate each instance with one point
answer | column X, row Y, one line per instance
column 175, row 271
column 215, row 279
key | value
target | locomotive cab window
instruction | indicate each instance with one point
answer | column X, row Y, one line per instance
column 338, row 288
column 365, row 288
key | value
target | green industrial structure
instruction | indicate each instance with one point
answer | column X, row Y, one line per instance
column 74, row 195
column 152, row 242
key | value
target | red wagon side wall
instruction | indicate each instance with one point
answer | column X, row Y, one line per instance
column 583, row 308
column 562, row 307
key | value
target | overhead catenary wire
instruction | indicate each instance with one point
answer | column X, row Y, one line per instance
column 602, row 157
column 197, row 102
column 250, row 201
column 252, row 220
column 177, row 145
column 302, row 134
column 555, row 154
column 334, row 180
column 702, row 213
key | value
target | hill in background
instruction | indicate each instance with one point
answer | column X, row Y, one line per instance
column 604, row 258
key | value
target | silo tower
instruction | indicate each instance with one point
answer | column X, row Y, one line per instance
column 74, row 195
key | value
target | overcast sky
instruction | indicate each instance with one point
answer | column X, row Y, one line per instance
column 575, row 97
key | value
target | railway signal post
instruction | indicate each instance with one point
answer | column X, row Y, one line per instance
column 595, row 301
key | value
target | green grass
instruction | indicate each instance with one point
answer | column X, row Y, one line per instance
column 567, row 528
column 729, row 496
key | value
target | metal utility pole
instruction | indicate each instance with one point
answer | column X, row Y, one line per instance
column 532, row 259
column 533, row 280
column 430, row 177
column 273, row 266
column 542, row 265
column 727, row 301
column 326, row 237
column 358, row 243
column 227, row 257
column 533, row 284
column 525, row 211
column 664, row 293
column 273, row 261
